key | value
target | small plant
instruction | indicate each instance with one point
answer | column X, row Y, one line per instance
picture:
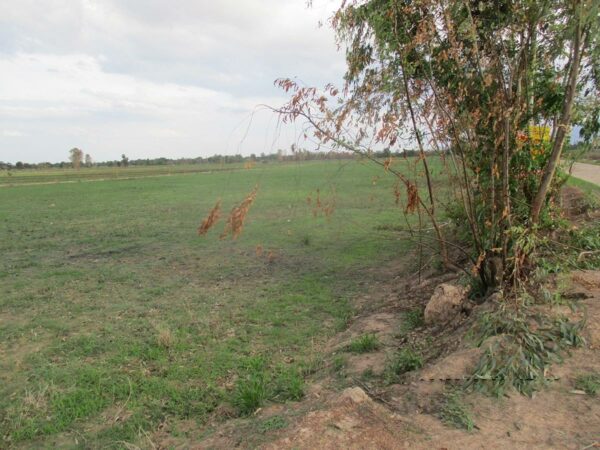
column 251, row 390
column 589, row 383
column 364, row 344
column 454, row 411
column 406, row 360
column 250, row 393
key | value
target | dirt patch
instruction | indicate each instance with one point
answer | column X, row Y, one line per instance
column 354, row 421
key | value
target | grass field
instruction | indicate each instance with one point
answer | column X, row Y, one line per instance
column 116, row 319
column 39, row 176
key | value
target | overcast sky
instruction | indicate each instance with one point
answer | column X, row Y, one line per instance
column 152, row 78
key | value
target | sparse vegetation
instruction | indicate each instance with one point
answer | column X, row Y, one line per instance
column 364, row 344
column 589, row 383
column 273, row 423
column 455, row 412
column 289, row 384
column 412, row 319
column 406, row 360
column 339, row 363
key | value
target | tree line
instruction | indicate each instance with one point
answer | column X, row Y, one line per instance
column 78, row 159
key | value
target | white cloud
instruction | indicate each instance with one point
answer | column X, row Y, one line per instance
column 149, row 77
column 11, row 133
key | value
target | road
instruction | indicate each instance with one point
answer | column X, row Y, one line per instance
column 587, row 172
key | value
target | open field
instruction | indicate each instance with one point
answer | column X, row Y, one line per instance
column 39, row 176
column 115, row 317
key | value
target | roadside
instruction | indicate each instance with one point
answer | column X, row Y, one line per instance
column 587, row 172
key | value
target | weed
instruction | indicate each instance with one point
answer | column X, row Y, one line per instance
column 250, row 393
column 364, row 344
column 589, row 383
column 406, row 360
column 455, row 412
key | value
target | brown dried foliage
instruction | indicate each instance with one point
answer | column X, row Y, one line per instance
column 412, row 194
column 210, row 220
column 237, row 216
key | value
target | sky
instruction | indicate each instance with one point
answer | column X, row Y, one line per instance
column 155, row 78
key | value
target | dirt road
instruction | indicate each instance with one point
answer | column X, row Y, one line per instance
column 587, row 172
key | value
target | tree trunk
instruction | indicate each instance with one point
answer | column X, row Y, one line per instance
column 561, row 131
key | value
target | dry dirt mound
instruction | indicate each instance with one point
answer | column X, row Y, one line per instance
column 405, row 416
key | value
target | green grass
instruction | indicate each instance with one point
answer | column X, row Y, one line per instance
column 111, row 305
column 68, row 175
column 591, row 190
column 364, row 344
column 273, row 423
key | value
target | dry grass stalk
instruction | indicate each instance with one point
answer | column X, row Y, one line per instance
column 413, row 197
column 165, row 338
column 397, row 193
column 237, row 216
column 211, row 219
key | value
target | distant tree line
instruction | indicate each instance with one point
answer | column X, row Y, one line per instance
column 78, row 160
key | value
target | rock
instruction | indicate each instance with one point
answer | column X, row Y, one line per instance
column 445, row 304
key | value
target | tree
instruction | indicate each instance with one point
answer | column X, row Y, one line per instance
column 124, row 160
column 489, row 84
column 76, row 156
column 88, row 160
